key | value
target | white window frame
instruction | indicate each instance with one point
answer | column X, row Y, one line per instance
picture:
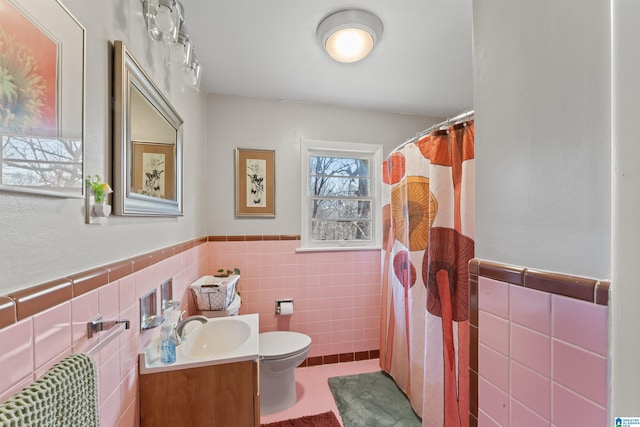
column 373, row 152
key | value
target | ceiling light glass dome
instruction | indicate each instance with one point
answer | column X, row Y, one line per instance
column 349, row 35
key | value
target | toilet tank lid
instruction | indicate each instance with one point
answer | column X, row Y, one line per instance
column 282, row 343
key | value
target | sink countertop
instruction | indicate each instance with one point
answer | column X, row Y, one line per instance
column 150, row 358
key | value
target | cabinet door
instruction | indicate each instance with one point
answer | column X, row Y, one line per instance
column 216, row 396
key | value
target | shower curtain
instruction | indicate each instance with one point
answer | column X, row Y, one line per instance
column 428, row 228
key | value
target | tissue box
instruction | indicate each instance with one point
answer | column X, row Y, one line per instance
column 214, row 293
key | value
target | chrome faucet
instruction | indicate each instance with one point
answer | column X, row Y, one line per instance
column 179, row 329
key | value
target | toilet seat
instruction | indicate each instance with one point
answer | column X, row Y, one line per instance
column 282, row 344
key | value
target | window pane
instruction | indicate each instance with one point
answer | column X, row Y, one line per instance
column 340, row 209
column 339, row 187
column 338, row 166
column 41, row 162
column 340, row 230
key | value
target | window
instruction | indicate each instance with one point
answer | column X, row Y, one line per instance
column 340, row 195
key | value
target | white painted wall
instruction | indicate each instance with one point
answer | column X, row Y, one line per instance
column 556, row 93
column 237, row 122
column 44, row 238
column 542, row 102
column 624, row 340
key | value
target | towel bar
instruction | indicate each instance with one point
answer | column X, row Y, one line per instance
column 98, row 325
column 100, row 341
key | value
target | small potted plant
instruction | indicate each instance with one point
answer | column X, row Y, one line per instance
column 100, row 190
column 226, row 273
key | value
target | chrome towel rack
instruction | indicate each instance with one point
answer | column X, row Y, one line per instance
column 112, row 329
column 99, row 325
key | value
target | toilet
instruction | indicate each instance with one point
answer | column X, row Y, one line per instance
column 280, row 353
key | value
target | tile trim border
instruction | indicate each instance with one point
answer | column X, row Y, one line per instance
column 254, row 238
column 329, row 359
column 578, row 287
column 582, row 288
column 22, row 303
column 7, row 312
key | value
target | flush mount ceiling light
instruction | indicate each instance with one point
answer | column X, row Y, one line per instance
column 349, row 35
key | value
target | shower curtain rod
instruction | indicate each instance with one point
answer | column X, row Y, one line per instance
column 427, row 131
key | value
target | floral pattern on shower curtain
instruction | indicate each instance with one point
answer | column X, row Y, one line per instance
column 428, row 229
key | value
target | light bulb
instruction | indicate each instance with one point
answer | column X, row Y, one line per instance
column 182, row 48
column 170, row 37
column 150, row 10
column 349, row 35
column 164, row 20
column 349, row 44
column 191, row 76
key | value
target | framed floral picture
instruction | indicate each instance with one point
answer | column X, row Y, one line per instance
column 30, row 62
column 42, row 49
column 255, row 183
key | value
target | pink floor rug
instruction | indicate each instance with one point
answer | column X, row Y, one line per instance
column 328, row 419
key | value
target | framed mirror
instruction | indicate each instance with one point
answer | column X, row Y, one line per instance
column 42, row 53
column 147, row 143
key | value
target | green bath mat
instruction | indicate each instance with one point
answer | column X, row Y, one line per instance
column 372, row 400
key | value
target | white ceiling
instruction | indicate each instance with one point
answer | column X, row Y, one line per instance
column 268, row 49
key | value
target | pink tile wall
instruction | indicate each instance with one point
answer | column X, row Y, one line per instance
column 542, row 358
column 337, row 300
column 336, row 294
column 33, row 345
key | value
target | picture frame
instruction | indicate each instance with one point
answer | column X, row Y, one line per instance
column 255, row 183
column 43, row 138
column 153, row 169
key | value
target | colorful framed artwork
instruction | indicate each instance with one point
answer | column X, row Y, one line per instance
column 255, row 183
column 42, row 51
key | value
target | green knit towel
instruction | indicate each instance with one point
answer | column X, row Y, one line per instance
column 66, row 395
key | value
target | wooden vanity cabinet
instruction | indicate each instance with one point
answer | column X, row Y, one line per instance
column 217, row 396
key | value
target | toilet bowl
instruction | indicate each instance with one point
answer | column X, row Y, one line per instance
column 280, row 353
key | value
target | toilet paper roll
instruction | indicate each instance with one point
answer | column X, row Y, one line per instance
column 286, row 308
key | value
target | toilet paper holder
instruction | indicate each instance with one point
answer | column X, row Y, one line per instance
column 280, row 301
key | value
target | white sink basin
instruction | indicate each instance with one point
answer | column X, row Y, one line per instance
column 215, row 338
column 220, row 340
